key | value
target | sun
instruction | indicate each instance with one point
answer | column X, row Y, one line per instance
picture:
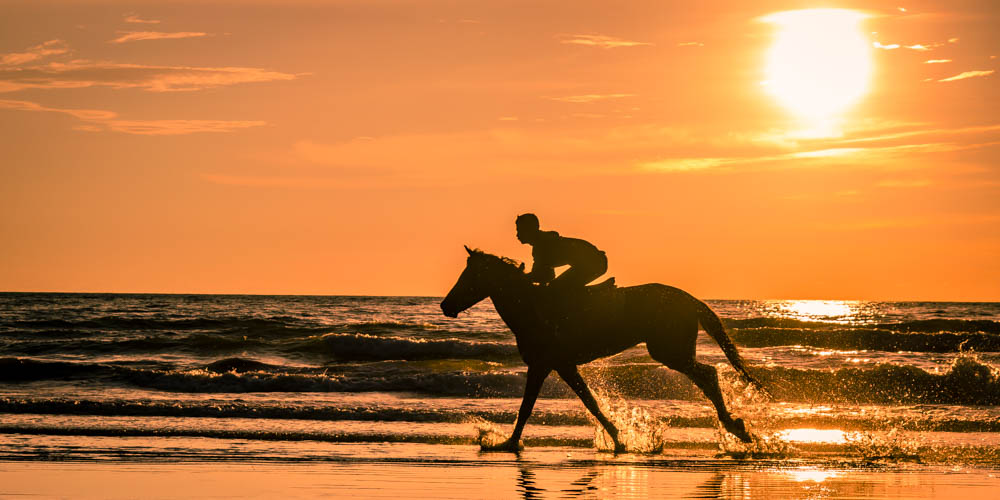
column 820, row 62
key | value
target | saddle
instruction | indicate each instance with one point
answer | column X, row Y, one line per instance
column 563, row 300
column 608, row 284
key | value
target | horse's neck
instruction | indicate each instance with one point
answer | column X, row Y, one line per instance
column 514, row 305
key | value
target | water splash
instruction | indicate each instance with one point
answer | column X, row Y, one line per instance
column 894, row 445
column 890, row 443
column 754, row 407
column 488, row 434
column 638, row 430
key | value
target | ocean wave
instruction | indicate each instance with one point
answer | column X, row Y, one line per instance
column 262, row 435
column 945, row 325
column 257, row 410
column 196, row 344
column 968, row 381
column 359, row 346
column 124, row 323
column 868, row 340
column 923, row 325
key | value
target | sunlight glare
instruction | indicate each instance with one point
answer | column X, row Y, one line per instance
column 812, row 474
column 818, row 310
column 831, row 436
column 819, row 65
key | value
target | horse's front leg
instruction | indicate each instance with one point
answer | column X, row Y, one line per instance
column 536, row 376
column 576, row 382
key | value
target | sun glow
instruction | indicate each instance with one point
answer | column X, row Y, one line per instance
column 831, row 436
column 819, row 65
column 818, row 310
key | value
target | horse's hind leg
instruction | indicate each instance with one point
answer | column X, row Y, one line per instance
column 576, row 382
column 706, row 377
column 675, row 348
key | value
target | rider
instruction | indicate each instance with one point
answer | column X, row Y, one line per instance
column 550, row 250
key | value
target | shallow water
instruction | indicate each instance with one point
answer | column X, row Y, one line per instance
column 448, row 471
column 896, row 386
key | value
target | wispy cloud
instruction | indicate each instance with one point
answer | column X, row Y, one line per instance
column 180, row 127
column 135, row 19
column 937, row 61
column 135, row 36
column 83, row 73
column 967, row 74
column 690, row 44
column 44, row 49
column 891, row 46
column 920, row 47
column 602, row 41
column 590, row 97
column 100, row 120
column 869, row 146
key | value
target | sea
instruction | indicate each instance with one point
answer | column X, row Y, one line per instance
column 293, row 379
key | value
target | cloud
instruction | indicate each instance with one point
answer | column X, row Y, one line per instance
column 180, row 127
column 135, row 19
column 865, row 146
column 44, row 49
column 83, row 73
column 94, row 115
column 507, row 151
column 100, row 120
column 602, row 41
column 134, row 36
column 937, row 61
column 690, row 44
column 918, row 46
column 590, row 97
column 967, row 74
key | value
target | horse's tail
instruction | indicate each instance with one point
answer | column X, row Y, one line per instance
column 713, row 325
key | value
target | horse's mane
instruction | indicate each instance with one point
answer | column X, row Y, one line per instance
column 504, row 260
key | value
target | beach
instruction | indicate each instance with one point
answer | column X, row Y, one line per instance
column 166, row 396
column 407, row 471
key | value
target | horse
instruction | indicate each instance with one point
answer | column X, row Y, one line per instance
column 558, row 331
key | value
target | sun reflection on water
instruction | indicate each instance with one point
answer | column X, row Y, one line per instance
column 826, row 311
column 826, row 436
column 812, row 474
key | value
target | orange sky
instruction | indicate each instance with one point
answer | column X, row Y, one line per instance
column 354, row 146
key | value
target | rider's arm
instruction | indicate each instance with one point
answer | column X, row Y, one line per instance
column 541, row 273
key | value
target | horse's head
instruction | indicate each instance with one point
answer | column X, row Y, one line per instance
column 483, row 272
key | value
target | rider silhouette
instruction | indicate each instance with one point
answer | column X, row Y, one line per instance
column 550, row 250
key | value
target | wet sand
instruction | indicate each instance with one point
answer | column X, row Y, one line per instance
column 420, row 471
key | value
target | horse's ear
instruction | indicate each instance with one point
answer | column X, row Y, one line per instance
column 467, row 249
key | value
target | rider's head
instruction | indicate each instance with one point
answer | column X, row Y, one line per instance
column 527, row 227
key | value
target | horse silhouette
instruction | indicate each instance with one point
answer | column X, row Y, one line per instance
column 561, row 330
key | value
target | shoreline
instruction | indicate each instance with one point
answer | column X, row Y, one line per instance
column 407, row 471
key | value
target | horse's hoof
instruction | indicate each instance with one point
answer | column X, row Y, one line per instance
column 619, row 448
column 507, row 446
column 739, row 429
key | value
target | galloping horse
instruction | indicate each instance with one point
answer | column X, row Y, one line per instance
column 557, row 334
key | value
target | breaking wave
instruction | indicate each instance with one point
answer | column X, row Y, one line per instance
column 967, row 381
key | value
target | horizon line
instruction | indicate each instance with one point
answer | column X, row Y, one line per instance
column 244, row 294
